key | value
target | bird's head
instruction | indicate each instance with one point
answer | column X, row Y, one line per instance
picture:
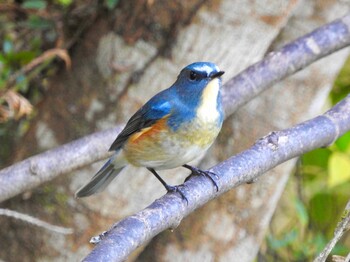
column 199, row 82
column 198, row 75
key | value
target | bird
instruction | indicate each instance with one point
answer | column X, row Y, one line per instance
column 170, row 130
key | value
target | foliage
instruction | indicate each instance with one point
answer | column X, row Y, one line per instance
column 319, row 191
column 29, row 29
column 35, row 36
column 111, row 3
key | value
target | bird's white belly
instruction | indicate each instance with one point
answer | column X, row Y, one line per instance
column 174, row 157
column 169, row 150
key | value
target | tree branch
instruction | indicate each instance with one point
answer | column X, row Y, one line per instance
column 35, row 221
column 286, row 61
column 43, row 167
column 268, row 152
column 342, row 227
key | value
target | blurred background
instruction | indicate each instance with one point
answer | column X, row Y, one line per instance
column 70, row 68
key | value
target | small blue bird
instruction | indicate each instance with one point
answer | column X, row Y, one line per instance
column 173, row 128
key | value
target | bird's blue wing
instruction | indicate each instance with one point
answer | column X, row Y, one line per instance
column 146, row 116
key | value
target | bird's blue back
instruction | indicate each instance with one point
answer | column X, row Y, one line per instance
column 179, row 102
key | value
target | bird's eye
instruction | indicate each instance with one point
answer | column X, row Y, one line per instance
column 193, row 75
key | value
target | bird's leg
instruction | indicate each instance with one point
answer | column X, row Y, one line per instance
column 169, row 188
column 206, row 173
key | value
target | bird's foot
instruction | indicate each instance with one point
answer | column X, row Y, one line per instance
column 169, row 188
column 177, row 189
column 206, row 173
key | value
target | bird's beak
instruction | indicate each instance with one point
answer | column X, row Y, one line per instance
column 217, row 74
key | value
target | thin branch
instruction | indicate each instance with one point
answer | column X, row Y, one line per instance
column 43, row 167
column 342, row 227
column 35, row 221
column 268, row 152
column 45, row 56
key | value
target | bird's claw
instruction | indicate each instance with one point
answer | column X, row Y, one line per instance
column 209, row 175
column 206, row 173
column 178, row 190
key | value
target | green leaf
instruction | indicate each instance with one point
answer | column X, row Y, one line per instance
column 64, row 2
column 338, row 169
column 322, row 210
column 318, row 157
column 36, row 22
column 340, row 250
column 343, row 142
column 22, row 57
column 34, row 4
column 2, row 60
column 111, row 4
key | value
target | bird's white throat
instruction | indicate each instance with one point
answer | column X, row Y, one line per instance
column 206, row 111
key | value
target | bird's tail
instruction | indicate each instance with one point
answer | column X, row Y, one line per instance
column 101, row 179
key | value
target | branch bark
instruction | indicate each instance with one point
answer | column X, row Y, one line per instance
column 342, row 227
column 268, row 152
column 35, row 221
column 43, row 167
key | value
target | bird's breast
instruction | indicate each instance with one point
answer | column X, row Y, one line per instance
column 205, row 126
column 207, row 111
column 200, row 133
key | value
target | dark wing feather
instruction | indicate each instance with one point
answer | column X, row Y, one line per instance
column 143, row 118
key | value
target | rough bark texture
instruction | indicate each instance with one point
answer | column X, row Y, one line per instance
column 114, row 72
